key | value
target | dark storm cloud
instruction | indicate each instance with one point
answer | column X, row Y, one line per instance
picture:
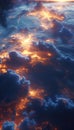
column 8, row 125
column 5, row 5
column 48, row 77
column 55, row 75
column 57, row 27
column 27, row 124
column 65, row 35
column 59, row 113
column 12, row 86
column 59, row 30
column 45, row 47
column 17, row 60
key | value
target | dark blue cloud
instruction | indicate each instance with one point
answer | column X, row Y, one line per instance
column 12, row 86
column 59, row 30
column 65, row 35
column 45, row 47
column 27, row 124
column 57, row 27
column 54, row 76
column 59, row 112
column 8, row 125
column 5, row 5
column 17, row 60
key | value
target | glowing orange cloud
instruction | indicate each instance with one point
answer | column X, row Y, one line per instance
column 45, row 16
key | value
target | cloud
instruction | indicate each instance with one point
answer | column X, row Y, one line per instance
column 58, row 113
column 59, row 30
column 27, row 124
column 12, row 86
column 57, row 27
column 17, row 60
column 45, row 47
column 65, row 35
column 53, row 76
column 5, row 5
column 8, row 125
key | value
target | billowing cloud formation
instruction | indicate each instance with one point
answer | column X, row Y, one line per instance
column 16, row 60
column 8, row 125
column 59, row 30
column 45, row 47
column 28, row 124
column 58, row 113
column 12, row 86
column 54, row 76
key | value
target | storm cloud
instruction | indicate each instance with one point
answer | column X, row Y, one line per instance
column 12, row 86
column 17, row 60
column 27, row 124
column 8, row 125
column 58, row 113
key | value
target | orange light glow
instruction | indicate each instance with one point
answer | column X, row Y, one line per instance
column 45, row 16
column 36, row 93
column 21, row 105
column 3, row 68
column 27, row 48
column 3, row 55
column 50, row 40
column 24, row 40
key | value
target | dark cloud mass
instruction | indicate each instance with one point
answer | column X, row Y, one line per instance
column 59, row 113
column 54, row 76
column 5, row 5
column 65, row 35
column 51, row 48
column 17, row 60
column 8, row 125
column 10, row 86
column 28, row 124
column 60, row 31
